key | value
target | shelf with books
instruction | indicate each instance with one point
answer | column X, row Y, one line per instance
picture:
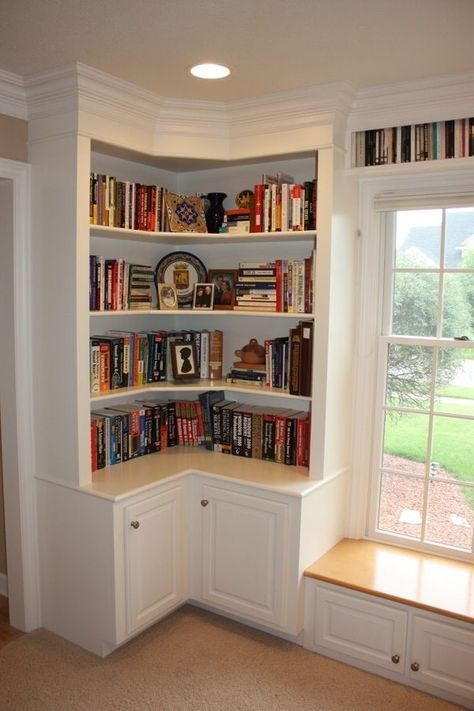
column 214, row 420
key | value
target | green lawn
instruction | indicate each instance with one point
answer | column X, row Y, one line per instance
column 406, row 436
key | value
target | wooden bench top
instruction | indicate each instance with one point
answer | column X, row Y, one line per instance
column 409, row 577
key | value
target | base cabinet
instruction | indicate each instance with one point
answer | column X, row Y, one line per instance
column 154, row 557
column 245, row 554
column 428, row 651
column 443, row 657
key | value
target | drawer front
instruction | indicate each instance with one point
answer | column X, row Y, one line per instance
column 364, row 630
column 442, row 656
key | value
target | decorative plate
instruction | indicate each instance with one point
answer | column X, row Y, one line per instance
column 185, row 213
column 183, row 270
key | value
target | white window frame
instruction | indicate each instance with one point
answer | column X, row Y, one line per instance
column 429, row 187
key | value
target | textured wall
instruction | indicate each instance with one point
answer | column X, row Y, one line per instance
column 13, row 138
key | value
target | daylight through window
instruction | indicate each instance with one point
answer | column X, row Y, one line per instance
column 425, row 451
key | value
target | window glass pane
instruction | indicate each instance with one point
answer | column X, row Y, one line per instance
column 400, row 505
column 455, row 381
column 405, row 442
column 409, row 376
column 459, row 236
column 450, row 514
column 453, row 448
column 458, row 312
column 418, row 237
column 415, row 304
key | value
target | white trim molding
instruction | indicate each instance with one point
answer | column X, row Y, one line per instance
column 20, row 496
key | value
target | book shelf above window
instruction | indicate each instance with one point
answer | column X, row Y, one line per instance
column 180, row 238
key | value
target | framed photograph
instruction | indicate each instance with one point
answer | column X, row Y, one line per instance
column 224, row 287
column 182, row 269
column 203, row 296
column 184, row 359
column 167, row 296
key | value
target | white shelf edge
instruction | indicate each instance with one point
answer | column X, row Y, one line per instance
column 195, row 386
column 202, row 312
column 201, row 237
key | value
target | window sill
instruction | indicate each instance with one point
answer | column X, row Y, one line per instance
column 409, row 577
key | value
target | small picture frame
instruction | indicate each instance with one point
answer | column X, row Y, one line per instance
column 167, row 297
column 184, row 359
column 203, row 297
column 224, row 281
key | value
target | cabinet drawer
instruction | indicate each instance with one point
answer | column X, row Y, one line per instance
column 361, row 629
column 442, row 655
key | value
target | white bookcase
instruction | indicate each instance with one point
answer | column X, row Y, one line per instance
column 75, row 135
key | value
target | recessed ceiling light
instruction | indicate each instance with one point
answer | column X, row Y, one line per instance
column 210, row 71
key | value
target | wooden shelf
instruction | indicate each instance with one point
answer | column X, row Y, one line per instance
column 176, row 238
column 201, row 312
column 196, row 386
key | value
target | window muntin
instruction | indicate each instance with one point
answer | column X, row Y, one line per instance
column 425, row 471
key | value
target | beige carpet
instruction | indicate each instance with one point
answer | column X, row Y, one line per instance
column 192, row 660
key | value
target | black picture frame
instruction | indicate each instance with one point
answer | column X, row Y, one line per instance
column 184, row 360
column 203, row 297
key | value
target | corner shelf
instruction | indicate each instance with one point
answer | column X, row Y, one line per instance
column 177, row 238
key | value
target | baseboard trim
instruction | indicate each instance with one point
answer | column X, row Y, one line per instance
column 3, row 585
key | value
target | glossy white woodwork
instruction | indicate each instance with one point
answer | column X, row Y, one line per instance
column 154, row 557
column 442, row 656
column 363, row 629
column 431, row 652
column 245, row 554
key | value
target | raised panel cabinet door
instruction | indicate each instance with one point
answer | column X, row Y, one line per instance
column 154, row 554
column 245, row 555
column 361, row 629
column 442, row 655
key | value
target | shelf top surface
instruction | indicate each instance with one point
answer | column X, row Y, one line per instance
column 200, row 237
column 143, row 473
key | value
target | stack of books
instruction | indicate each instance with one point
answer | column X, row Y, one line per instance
column 237, row 221
column 256, row 286
column 247, row 374
column 140, row 280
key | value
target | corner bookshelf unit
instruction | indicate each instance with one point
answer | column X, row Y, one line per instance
column 91, row 528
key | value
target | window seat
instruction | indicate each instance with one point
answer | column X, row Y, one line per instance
column 409, row 577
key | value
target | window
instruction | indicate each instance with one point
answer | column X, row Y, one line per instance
column 423, row 462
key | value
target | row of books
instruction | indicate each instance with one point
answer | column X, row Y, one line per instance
column 288, row 363
column 116, row 285
column 417, row 142
column 123, row 359
column 130, row 430
column 127, row 204
column 280, row 204
column 282, row 285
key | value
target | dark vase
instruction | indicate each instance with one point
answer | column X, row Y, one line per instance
column 215, row 211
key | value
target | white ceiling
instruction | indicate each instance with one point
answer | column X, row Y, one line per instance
column 271, row 45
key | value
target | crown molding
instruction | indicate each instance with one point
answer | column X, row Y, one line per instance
column 436, row 99
column 12, row 95
column 79, row 98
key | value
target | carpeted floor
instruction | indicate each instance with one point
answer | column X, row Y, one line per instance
column 192, row 660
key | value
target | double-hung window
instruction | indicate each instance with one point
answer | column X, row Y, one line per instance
column 422, row 488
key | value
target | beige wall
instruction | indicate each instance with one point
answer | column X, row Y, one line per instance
column 13, row 138
column 13, row 145
column 3, row 553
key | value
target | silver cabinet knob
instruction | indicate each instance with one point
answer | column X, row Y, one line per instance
column 415, row 666
column 204, row 502
column 396, row 658
column 135, row 524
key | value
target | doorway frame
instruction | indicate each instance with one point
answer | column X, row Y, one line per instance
column 17, row 414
